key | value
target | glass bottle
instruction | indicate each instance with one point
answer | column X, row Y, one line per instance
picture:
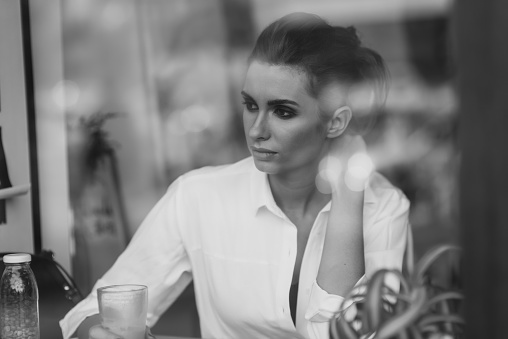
column 19, row 299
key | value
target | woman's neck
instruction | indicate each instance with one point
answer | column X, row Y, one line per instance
column 297, row 193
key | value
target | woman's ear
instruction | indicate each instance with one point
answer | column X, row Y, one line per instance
column 339, row 122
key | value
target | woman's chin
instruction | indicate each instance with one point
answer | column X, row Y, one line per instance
column 266, row 167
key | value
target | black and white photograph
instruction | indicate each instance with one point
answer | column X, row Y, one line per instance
column 253, row 169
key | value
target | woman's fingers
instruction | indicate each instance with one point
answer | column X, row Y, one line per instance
column 98, row 332
column 347, row 163
column 149, row 334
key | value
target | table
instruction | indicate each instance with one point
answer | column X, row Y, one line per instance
column 163, row 337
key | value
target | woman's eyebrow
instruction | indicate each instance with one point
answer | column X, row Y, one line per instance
column 282, row 102
column 246, row 96
column 273, row 102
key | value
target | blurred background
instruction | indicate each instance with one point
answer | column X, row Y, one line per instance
column 133, row 93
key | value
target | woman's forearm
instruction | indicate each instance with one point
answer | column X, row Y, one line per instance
column 342, row 263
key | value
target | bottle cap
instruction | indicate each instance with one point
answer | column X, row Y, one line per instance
column 17, row 258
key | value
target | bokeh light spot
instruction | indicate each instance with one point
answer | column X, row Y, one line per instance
column 330, row 163
column 65, row 94
column 361, row 163
column 195, row 118
column 359, row 169
column 323, row 181
column 115, row 15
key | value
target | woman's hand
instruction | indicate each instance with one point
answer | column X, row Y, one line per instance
column 99, row 332
column 346, row 164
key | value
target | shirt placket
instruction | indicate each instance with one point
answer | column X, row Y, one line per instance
column 310, row 266
column 287, row 264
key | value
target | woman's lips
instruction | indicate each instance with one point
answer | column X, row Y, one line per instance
column 263, row 153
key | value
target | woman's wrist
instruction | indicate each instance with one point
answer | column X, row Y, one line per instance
column 344, row 189
column 84, row 327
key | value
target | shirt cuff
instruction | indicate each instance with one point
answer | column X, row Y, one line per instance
column 70, row 323
column 85, row 308
column 323, row 306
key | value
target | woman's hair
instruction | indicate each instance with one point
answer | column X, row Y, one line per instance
column 327, row 54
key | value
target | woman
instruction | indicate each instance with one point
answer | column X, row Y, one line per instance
column 275, row 241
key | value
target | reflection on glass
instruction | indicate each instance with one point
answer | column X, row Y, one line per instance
column 172, row 70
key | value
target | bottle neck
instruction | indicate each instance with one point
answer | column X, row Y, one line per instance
column 17, row 267
column 19, row 264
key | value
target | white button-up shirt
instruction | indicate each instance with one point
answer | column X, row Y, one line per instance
column 221, row 228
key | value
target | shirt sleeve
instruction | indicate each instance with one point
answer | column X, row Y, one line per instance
column 155, row 257
column 322, row 308
column 385, row 237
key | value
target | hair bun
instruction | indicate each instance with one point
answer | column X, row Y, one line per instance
column 348, row 36
column 327, row 54
column 353, row 35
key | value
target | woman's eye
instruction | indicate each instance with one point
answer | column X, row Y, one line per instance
column 250, row 106
column 283, row 113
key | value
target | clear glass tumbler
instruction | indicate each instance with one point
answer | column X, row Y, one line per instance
column 123, row 308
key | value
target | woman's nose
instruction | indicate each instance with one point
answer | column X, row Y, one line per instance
column 259, row 128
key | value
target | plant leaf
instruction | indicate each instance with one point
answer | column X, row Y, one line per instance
column 444, row 296
column 402, row 320
column 374, row 300
column 334, row 332
column 403, row 334
column 344, row 329
column 428, row 259
column 404, row 286
column 440, row 318
column 415, row 333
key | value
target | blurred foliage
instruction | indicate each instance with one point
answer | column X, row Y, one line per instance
column 99, row 143
column 422, row 308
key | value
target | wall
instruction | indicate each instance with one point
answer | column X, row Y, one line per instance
column 51, row 132
column 17, row 234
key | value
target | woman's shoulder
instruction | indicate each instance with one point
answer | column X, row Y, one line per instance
column 381, row 190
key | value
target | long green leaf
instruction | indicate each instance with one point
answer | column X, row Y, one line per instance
column 402, row 320
column 442, row 300
column 429, row 329
column 444, row 296
column 445, row 309
column 374, row 300
column 441, row 318
column 355, row 299
column 428, row 259
column 415, row 333
column 334, row 332
column 403, row 334
column 404, row 286
column 345, row 330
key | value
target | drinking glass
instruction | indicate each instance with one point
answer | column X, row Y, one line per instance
column 122, row 309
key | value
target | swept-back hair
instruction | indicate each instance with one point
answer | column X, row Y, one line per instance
column 327, row 54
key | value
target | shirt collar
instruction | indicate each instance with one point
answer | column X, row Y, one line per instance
column 261, row 192
column 262, row 196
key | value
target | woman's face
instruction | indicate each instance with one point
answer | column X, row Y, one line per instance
column 284, row 129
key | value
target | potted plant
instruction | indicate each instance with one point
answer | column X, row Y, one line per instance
column 420, row 309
